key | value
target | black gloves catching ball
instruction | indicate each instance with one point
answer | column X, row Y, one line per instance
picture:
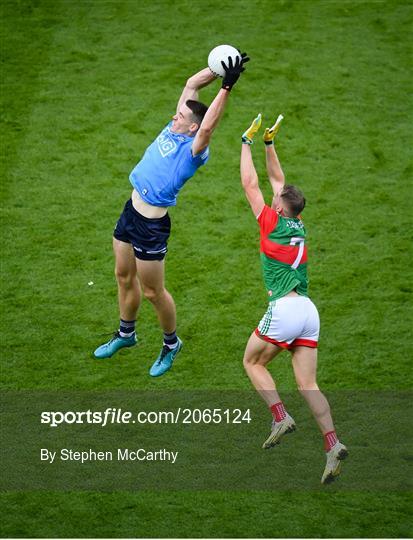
column 233, row 70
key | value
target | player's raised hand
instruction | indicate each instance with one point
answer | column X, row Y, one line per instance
column 270, row 133
column 248, row 135
column 233, row 70
column 244, row 57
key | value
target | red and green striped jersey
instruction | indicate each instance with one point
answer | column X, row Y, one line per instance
column 283, row 254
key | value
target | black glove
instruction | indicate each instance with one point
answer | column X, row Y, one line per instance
column 233, row 71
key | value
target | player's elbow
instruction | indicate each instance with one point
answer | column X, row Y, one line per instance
column 249, row 182
column 190, row 84
column 205, row 133
column 277, row 180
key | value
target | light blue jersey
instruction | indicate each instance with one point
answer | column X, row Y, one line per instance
column 165, row 167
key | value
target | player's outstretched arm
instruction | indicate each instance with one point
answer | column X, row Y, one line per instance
column 274, row 170
column 194, row 84
column 249, row 180
column 216, row 109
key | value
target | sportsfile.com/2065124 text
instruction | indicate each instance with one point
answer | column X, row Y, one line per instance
column 180, row 415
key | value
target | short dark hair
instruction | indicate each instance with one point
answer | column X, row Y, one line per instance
column 198, row 110
column 294, row 199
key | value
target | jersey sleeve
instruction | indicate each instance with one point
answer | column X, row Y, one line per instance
column 201, row 158
column 267, row 220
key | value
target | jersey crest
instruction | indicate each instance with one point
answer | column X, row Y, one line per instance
column 166, row 144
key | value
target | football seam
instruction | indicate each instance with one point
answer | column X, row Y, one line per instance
column 215, row 73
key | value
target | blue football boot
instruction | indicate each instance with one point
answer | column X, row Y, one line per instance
column 113, row 345
column 165, row 360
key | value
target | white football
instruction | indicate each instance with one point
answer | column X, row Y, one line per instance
column 221, row 54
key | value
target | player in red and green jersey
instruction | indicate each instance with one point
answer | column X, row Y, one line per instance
column 291, row 321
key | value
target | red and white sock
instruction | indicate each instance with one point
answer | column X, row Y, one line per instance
column 278, row 411
column 330, row 439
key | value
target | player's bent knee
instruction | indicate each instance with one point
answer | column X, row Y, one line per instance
column 125, row 278
column 153, row 295
column 246, row 362
column 251, row 361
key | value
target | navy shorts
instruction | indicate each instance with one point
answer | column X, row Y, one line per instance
column 149, row 237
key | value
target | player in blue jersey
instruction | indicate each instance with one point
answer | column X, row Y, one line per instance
column 142, row 231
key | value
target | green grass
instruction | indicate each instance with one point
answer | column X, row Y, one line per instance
column 85, row 87
column 204, row 515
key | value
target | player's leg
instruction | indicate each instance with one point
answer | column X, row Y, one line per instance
column 129, row 297
column 129, row 293
column 152, row 278
column 304, row 361
column 151, row 275
column 258, row 354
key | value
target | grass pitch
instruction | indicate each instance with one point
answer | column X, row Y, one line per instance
column 86, row 86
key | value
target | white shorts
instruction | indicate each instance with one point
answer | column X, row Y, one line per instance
column 289, row 322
